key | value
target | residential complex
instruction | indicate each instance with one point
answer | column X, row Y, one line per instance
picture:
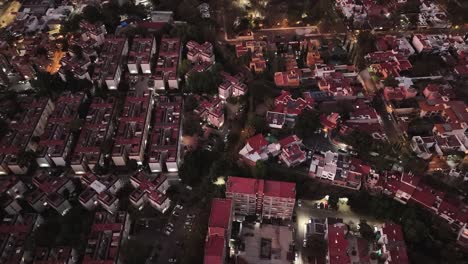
column 140, row 54
column 108, row 68
column 22, row 128
column 133, row 128
column 163, row 142
column 165, row 75
column 55, row 143
column 96, row 133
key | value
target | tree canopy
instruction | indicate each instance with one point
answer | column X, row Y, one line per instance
column 308, row 123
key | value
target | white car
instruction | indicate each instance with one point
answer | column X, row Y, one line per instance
column 180, row 207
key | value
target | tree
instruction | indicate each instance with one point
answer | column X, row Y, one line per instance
column 92, row 14
column 308, row 123
column 260, row 169
column 135, row 251
column 26, row 157
column 258, row 122
column 316, row 246
column 333, row 201
column 184, row 67
column 366, row 231
column 260, row 90
column 420, row 127
column 191, row 126
column 391, row 81
column 190, row 104
column 203, row 82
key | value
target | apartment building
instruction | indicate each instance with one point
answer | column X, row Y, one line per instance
column 108, row 67
column 76, row 65
column 96, row 133
column 107, row 234
column 219, row 231
column 150, row 189
column 266, row 199
column 96, row 31
column 132, row 130
column 23, row 126
column 56, row 141
column 163, row 146
column 14, row 232
column 288, row 108
column 291, row 152
column 198, row 53
column 140, row 54
column 232, row 86
column 165, row 74
column 101, row 192
column 211, row 110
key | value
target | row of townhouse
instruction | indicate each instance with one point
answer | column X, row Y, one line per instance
column 232, row 86
column 408, row 188
column 288, row 149
column 256, row 49
column 211, row 110
column 287, row 109
column 219, row 231
column 341, row 245
column 261, row 198
column 28, row 122
column 141, row 52
column 108, row 68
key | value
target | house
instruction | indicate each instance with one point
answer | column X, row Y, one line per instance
column 265, row 199
column 288, row 108
column 291, row 152
column 339, row 170
column 257, row 148
column 200, row 52
column 231, row 86
column 14, row 233
column 211, row 110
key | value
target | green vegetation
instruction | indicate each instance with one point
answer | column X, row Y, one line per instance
column 308, row 123
column 204, row 82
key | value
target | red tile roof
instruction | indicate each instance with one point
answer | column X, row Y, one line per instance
column 280, row 189
column 220, row 215
column 244, row 185
column 214, row 250
column 257, row 142
column 337, row 244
